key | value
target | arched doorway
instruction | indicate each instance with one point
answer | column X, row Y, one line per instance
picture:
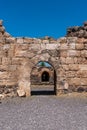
column 43, row 79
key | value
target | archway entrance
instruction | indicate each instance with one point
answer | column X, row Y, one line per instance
column 43, row 79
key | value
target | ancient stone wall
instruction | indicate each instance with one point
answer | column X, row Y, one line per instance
column 18, row 56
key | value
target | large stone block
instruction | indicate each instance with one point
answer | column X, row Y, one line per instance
column 51, row 46
column 72, row 46
column 1, row 22
column 73, row 53
column 2, row 29
column 69, row 60
column 74, row 81
column 63, row 53
column 83, row 67
column 64, row 46
column 10, row 40
column 84, row 81
column 84, row 53
column 82, row 73
column 73, row 67
column 20, row 40
column 65, row 67
column 6, row 61
column 17, row 61
column 3, row 75
column 71, row 74
column 62, row 60
column 79, row 46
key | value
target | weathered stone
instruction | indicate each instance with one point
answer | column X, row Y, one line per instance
column 21, row 93
column 1, row 22
column 82, row 67
column 6, row 35
column 10, row 40
column 20, row 40
column 63, row 46
column 73, row 67
column 72, row 46
column 80, row 46
column 63, row 54
column 84, row 53
column 69, row 60
column 74, row 81
column 6, row 61
column 2, row 29
column 73, row 53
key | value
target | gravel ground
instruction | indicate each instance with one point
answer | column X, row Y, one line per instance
column 44, row 113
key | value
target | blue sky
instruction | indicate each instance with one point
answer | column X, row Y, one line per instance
column 39, row 18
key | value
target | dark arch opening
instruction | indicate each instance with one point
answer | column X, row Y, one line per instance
column 45, row 77
column 45, row 82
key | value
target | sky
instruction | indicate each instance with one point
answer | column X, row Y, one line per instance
column 39, row 18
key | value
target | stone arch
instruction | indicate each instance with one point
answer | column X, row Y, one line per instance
column 27, row 66
column 48, row 72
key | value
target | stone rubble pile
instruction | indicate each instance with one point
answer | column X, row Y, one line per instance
column 78, row 31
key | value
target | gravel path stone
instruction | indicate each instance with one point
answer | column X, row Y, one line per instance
column 44, row 113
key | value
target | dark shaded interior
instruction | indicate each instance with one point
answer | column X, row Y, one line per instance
column 45, row 77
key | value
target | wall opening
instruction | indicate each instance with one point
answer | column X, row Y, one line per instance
column 43, row 79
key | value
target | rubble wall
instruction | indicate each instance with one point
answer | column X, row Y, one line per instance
column 18, row 56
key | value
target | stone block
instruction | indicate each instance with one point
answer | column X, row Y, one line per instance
column 80, row 46
column 27, row 40
column 21, row 93
column 3, row 68
column 82, row 73
column 74, row 81
column 73, row 53
column 51, row 46
column 63, row 53
column 1, row 22
column 12, row 68
column 45, row 41
column 80, row 40
column 70, row 74
column 84, row 81
column 20, row 40
column 72, row 46
column 69, row 60
column 6, row 35
column 83, row 67
column 17, row 61
column 84, row 53
column 34, row 47
column 73, row 67
column 65, row 67
column 10, row 40
column 75, row 60
column 62, row 40
column 2, row 29
column 64, row 46
column 85, row 46
column 6, row 61
column 3, row 75
column 62, row 60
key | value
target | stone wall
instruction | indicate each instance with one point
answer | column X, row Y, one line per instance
column 18, row 56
